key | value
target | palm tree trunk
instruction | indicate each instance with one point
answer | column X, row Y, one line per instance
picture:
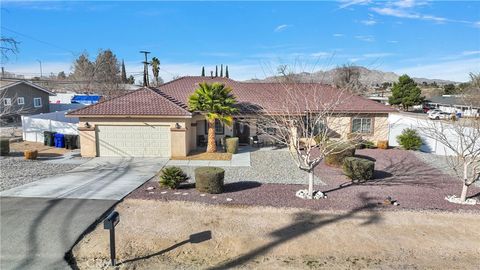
column 211, row 147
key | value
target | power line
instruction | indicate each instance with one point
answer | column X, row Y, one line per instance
column 38, row 40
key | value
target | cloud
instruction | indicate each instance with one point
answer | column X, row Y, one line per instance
column 393, row 41
column 457, row 70
column 281, row 28
column 348, row 3
column 470, row 52
column 369, row 22
column 338, row 35
column 366, row 38
column 377, row 55
column 321, row 54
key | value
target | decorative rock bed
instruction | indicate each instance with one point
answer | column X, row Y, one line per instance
column 317, row 194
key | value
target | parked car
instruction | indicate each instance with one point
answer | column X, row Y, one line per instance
column 433, row 111
column 439, row 115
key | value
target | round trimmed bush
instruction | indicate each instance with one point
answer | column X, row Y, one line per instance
column 209, row 179
column 338, row 153
column 4, row 146
column 172, row 177
column 232, row 145
column 358, row 168
column 409, row 139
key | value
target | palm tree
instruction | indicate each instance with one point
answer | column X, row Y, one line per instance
column 217, row 103
column 155, row 68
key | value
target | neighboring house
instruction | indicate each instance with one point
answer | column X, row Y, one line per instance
column 453, row 104
column 157, row 122
column 23, row 98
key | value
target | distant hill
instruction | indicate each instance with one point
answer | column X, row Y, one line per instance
column 367, row 77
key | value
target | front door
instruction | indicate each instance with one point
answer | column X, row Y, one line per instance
column 242, row 131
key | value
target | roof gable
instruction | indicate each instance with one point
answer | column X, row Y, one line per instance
column 6, row 85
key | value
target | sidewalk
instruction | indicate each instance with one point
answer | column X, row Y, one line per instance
column 241, row 159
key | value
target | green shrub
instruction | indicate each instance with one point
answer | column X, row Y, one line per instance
column 358, row 168
column 338, row 152
column 172, row 177
column 4, row 146
column 320, row 138
column 209, row 179
column 232, row 145
column 368, row 144
column 409, row 139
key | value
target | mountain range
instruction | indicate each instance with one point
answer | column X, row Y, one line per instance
column 367, row 77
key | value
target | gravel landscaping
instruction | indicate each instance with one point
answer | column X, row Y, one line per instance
column 398, row 174
column 271, row 166
column 16, row 171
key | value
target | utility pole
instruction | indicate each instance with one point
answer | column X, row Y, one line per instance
column 41, row 73
column 145, row 68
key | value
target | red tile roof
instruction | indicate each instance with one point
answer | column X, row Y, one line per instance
column 143, row 101
column 172, row 98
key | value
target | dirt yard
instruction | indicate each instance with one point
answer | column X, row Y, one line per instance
column 205, row 156
column 155, row 235
column 43, row 151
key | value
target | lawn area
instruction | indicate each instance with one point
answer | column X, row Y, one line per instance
column 17, row 148
column 262, row 225
column 184, row 235
column 205, row 156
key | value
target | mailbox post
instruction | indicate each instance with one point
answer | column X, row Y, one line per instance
column 109, row 224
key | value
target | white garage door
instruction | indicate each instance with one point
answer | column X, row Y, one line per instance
column 134, row 141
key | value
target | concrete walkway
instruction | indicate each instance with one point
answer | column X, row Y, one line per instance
column 240, row 159
column 100, row 178
column 41, row 221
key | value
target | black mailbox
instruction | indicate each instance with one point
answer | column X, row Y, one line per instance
column 109, row 224
column 111, row 221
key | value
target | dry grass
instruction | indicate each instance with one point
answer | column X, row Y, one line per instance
column 45, row 151
column 205, row 156
column 285, row 238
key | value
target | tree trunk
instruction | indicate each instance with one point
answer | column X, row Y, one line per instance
column 211, row 147
column 310, row 184
column 463, row 197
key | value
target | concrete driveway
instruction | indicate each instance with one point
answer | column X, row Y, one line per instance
column 41, row 221
column 100, row 178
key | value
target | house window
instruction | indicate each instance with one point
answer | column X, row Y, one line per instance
column 37, row 102
column 7, row 101
column 21, row 101
column 219, row 127
column 362, row 125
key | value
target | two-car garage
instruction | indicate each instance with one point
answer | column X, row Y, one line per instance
column 134, row 141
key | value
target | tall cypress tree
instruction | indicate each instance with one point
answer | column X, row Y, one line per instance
column 226, row 72
column 203, row 71
column 221, row 70
column 216, row 71
column 124, row 73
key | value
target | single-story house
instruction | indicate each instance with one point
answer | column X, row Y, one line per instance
column 157, row 122
column 454, row 104
column 19, row 97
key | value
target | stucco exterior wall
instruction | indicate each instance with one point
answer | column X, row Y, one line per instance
column 342, row 126
column 179, row 137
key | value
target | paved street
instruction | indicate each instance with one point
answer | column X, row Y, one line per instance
column 41, row 221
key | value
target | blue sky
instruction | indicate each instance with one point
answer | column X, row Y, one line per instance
column 421, row 38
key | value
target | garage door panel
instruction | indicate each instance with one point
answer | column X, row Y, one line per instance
column 137, row 141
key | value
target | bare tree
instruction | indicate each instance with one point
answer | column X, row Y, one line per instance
column 8, row 47
column 101, row 76
column 309, row 122
column 461, row 142
column 347, row 77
